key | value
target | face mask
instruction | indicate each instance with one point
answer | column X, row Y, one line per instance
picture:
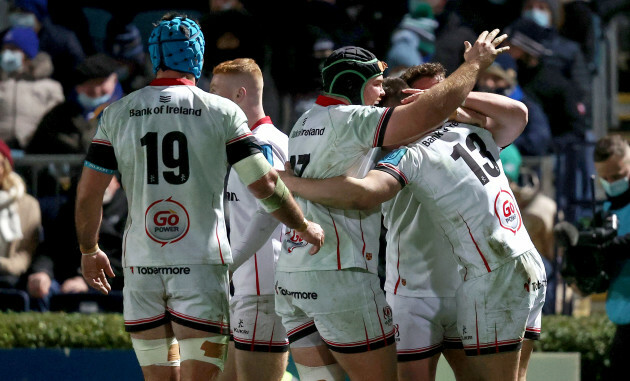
column 11, row 61
column 90, row 103
column 22, row 19
column 539, row 16
column 616, row 188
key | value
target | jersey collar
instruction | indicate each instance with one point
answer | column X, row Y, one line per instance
column 325, row 101
column 264, row 120
column 172, row 82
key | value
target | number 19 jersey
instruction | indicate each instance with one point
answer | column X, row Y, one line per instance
column 172, row 143
column 455, row 173
column 333, row 139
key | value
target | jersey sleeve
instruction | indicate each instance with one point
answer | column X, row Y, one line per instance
column 240, row 141
column 366, row 125
column 402, row 163
column 100, row 155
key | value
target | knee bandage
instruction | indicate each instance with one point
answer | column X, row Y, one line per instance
column 162, row 352
column 211, row 349
column 332, row 372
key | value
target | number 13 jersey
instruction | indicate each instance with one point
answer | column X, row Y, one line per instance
column 456, row 174
column 172, row 143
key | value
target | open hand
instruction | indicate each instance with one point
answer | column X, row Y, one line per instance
column 95, row 269
column 484, row 51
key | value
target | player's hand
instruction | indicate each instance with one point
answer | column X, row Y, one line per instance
column 468, row 116
column 314, row 234
column 95, row 269
column 413, row 94
column 38, row 284
column 484, row 51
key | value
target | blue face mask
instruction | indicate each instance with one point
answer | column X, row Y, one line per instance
column 22, row 19
column 11, row 61
column 616, row 188
column 539, row 16
column 90, row 103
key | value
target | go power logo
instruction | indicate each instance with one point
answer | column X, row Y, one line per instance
column 166, row 221
column 507, row 212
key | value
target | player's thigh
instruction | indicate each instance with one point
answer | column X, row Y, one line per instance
column 458, row 361
column 495, row 309
column 348, row 308
column 261, row 366
column 199, row 299
column 421, row 370
column 229, row 370
column 423, row 326
column 255, row 326
column 376, row 364
column 494, row 367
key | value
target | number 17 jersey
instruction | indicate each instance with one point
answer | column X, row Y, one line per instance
column 455, row 173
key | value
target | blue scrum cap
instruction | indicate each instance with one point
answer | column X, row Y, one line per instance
column 177, row 44
column 347, row 70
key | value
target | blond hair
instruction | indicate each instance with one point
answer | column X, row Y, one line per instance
column 239, row 66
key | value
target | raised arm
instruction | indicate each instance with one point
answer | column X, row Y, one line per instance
column 343, row 192
column 434, row 106
column 507, row 117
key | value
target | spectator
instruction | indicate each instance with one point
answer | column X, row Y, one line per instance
column 501, row 78
column 232, row 31
column 563, row 104
column 413, row 41
column 60, row 43
column 56, row 266
column 69, row 127
column 26, row 90
column 20, row 223
column 449, row 35
column 539, row 21
column 123, row 42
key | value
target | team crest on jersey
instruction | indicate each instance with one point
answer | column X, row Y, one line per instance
column 292, row 240
column 166, row 221
column 394, row 157
column 506, row 210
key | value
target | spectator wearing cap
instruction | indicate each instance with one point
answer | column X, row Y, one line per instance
column 544, row 15
column 501, row 78
column 69, row 127
column 26, row 90
column 20, row 223
column 123, row 42
column 563, row 104
column 59, row 42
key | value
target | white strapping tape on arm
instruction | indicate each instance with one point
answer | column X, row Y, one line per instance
column 252, row 168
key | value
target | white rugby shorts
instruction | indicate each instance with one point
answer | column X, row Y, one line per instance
column 195, row 296
column 346, row 307
column 424, row 326
column 255, row 326
column 497, row 310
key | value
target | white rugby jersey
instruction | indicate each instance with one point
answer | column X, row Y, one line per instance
column 172, row 143
column 419, row 257
column 256, row 275
column 329, row 140
column 456, row 174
